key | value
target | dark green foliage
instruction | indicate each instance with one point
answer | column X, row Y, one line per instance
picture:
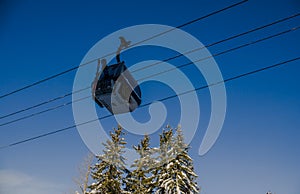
column 139, row 181
column 110, row 167
column 162, row 170
column 175, row 173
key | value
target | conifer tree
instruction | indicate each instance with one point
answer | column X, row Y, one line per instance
column 169, row 172
column 163, row 157
column 139, row 180
column 108, row 172
column 176, row 174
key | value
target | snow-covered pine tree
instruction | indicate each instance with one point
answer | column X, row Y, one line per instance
column 176, row 174
column 163, row 157
column 108, row 172
column 139, row 181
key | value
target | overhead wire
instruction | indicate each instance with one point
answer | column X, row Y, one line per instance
column 225, row 51
column 165, row 60
column 162, row 99
column 44, row 111
column 43, row 103
column 109, row 54
column 162, row 72
column 227, row 80
column 222, row 41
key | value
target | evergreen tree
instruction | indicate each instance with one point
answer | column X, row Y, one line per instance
column 108, row 172
column 169, row 172
column 176, row 173
column 163, row 157
column 139, row 180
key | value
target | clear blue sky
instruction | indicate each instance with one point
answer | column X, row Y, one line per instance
column 258, row 149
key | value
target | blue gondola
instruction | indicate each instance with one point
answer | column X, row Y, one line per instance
column 115, row 88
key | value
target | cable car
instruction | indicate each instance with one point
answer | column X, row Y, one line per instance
column 116, row 89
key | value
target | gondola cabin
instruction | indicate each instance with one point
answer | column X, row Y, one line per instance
column 117, row 90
